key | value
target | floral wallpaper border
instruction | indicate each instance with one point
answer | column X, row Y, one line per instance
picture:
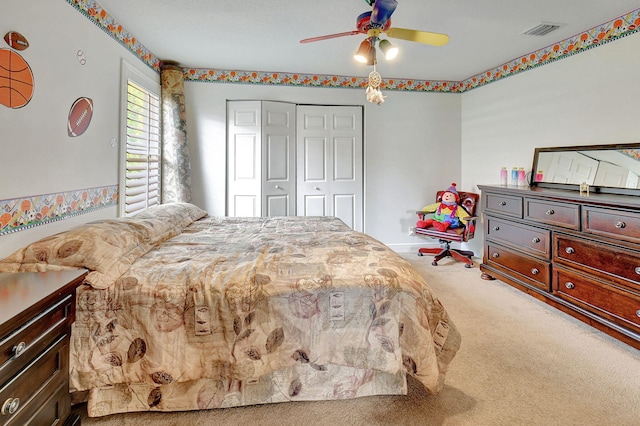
column 633, row 153
column 597, row 36
column 18, row 214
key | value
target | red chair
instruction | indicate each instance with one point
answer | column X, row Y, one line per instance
column 469, row 201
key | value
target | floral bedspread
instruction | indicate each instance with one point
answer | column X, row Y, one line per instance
column 237, row 311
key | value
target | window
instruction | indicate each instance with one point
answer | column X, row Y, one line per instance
column 140, row 170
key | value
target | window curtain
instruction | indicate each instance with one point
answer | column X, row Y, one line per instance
column 176, row 167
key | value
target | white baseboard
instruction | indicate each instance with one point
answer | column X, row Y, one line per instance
column 410, row 247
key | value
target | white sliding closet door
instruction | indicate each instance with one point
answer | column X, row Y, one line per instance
column 329, row 163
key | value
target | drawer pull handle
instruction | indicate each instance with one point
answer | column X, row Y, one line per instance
column 549, row 212
column 495, row 255
column 569, row 250
column 535, row 240
column 19, row 349
column 496, row 228
column 638, row 313
column 570, row 285
column 10, row 406
column 637, row 270
column 535, row 271
column 502, row 203
column 621, row 225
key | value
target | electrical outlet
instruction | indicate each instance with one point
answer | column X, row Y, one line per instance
column 412, row 231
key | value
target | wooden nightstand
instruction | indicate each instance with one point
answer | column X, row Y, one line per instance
column 36, row 313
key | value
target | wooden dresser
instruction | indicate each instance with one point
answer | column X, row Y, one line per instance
column 36, row 313
column 580, row 254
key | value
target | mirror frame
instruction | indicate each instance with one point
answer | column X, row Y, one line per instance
column 576, row 187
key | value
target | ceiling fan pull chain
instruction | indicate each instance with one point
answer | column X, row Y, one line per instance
column 373, row 90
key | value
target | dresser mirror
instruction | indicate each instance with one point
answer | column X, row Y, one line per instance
column 611, row 169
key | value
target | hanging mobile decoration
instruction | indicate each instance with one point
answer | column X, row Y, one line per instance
column 373, row 90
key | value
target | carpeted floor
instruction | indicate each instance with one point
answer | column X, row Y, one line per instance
column 521, row 363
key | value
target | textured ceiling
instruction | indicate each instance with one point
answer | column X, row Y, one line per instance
column 264, row 35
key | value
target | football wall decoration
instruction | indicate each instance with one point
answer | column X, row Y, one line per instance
column 16, row 40
column 79, row 116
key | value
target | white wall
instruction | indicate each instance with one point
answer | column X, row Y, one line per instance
column 412, row 148
column 586, row 99
column 36, row 154
column 589, row 98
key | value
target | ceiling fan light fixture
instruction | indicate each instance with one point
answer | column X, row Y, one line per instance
column 388, row 50
column 362, row 55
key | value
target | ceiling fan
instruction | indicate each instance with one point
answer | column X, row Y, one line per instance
column 377, row 22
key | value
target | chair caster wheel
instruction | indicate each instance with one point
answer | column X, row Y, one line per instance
column 467, row 265
column 420, row 254
column 434, row 263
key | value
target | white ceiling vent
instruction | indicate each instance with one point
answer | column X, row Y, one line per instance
column 542, row 28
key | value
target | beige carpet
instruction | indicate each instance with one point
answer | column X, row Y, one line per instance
column 521, row 363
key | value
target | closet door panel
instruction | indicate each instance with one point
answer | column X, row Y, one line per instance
column 330, row 156
column 278, row 157
column 244, row 165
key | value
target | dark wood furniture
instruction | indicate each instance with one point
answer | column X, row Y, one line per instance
column 580, row 254
column 36, row 313
column 469, row 201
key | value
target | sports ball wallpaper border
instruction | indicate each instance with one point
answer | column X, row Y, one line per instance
column 18, row 214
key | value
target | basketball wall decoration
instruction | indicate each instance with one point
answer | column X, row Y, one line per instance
column 16, row 40
column 79, row 116
column 16, row 80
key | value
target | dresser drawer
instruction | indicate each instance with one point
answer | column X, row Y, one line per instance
column 533, row 271
column 611, row 223
column 533, row 240
column 42, row 376
column 552, row 213
column 606, row 260
column 607, row 300
column 505, row 204
column 24, row 344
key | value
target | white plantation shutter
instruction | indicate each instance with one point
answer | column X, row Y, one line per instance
column 140, row 146
column 142, row 168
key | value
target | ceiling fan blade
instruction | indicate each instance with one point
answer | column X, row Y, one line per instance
column 425, row 37
column 382, row 11
column 328, row 36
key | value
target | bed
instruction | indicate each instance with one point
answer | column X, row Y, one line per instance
column 185, row 311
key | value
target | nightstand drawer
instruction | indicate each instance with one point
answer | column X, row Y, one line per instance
column 536, row 241
column 505, row 204
column 44, row 375
column 614, row 224
column 19, row 348
column 565, row 215
column 610, row 301
column 46, row 410
column 533, row 271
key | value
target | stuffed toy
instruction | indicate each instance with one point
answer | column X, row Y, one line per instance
column 448, row 212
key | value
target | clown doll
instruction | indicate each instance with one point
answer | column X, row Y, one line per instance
column 448, row 212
